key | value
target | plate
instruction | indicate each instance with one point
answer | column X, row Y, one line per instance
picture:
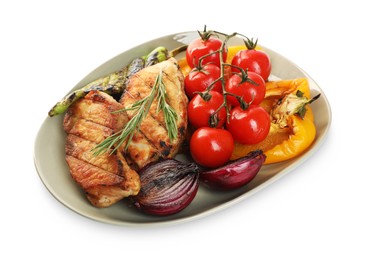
column 49, row 152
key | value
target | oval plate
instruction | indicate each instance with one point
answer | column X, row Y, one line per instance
column 49, row 152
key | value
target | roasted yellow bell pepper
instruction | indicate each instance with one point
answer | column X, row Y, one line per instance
column 302, row 136
column 232, row 50
column 184, row 67
column 290, row 134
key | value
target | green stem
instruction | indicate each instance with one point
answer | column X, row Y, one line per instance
column 224, row 91
column 177, row 50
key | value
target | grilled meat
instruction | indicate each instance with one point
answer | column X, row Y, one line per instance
column 152, row 141
column 105, row 178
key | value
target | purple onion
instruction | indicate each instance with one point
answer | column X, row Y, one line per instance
column 236, row 173
column 167, row 187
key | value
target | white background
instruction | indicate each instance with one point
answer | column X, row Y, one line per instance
column 315, row 212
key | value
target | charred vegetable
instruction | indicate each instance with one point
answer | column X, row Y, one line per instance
column 113, row 83
column 235, row 174
column 167, row 187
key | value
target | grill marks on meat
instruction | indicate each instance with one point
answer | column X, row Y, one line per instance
column 153, row 131
column 106, row 178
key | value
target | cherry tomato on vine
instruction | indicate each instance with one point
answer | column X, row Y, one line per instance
column 201, row 110
column 203, row 46
column 252, row 90
column 198, row 80
column 253, row 60
column 211, row 147
column 249, row 126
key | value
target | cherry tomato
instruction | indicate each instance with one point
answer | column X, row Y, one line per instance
column 200, row 47
column 253, row 60
column 249, row 126
column 211, row 147
column 198, row 80
column 250, row 93
column 200, row 110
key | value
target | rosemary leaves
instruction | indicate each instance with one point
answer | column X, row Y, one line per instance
column 142, row 107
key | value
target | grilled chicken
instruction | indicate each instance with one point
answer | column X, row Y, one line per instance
column 107, row 178
column 152, row 142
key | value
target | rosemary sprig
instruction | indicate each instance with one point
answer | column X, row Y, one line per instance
column 169, row 112
column 142, row 106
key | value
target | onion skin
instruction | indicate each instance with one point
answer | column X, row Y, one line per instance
column 236, row 173
column 167, row 187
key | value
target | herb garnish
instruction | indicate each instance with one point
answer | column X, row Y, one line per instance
column 142, row 107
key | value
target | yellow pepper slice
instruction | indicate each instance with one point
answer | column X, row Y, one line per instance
column 284, row 143
column 184, row 67
column 232, row 50
column 283, row 87
column 303, row 134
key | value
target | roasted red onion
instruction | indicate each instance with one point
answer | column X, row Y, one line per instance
column 236, row 173
column 167, row 187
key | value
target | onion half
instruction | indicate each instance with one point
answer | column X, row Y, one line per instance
column 167, row 187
